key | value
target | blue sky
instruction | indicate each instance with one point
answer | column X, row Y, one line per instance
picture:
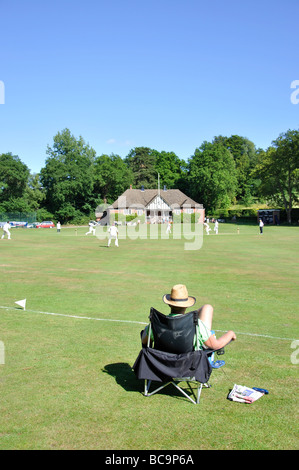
column 164, row 74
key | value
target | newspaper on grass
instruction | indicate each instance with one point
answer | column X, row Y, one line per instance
column 244, row 394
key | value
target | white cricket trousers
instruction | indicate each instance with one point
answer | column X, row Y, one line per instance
column 115, row 238
column 6, row 233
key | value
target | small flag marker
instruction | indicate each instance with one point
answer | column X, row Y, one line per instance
column 22, row 303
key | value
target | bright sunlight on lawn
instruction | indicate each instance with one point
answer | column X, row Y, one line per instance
column 67, row 381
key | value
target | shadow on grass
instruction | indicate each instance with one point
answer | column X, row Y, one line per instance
column 124, row 376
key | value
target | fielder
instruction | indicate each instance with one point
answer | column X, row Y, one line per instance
column 91, row 228
column 216, row 227
column 6, row 231
column 207, row 228
column 113, row 233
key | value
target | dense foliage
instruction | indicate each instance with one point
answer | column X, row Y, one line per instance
column 227, row 170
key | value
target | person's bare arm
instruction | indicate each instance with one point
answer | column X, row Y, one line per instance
column 144, row 337
column 218, row 343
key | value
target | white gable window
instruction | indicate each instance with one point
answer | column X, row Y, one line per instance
column 158, row 203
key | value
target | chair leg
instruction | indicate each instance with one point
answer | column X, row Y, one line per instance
column 198, row 394
column 199, row 389
column 147, row 386
column 184, row 393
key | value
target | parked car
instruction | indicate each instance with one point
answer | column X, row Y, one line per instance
column 46, row 224
column 33, row 225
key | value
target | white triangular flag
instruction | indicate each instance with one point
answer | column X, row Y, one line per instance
column 22, row 303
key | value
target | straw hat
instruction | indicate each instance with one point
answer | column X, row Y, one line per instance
column 179, row 297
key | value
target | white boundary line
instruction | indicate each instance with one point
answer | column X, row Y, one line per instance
column 73, row 316
column 136, row 322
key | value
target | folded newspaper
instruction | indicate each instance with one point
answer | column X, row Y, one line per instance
column 244, row 394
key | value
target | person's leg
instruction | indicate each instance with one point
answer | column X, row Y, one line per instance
column 206, row 315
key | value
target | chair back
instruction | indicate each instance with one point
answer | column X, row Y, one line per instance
column 174, row 334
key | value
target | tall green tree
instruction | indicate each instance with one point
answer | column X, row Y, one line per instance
column 141, row 161
column 68, row 176
column 278, row 169
column 14, row 175
column 170, row 168
column 112, row 177
column 34, row 192
column 245, row 156
column 212, row 176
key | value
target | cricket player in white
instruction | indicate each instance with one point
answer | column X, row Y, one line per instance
column 113, row 233
column 207, row 228
column 216, row 227
column 91, row 228
column 6, row 231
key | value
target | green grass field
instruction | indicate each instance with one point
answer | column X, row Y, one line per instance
column 67, row 382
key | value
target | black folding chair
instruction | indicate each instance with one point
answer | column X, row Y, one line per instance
column 174, row 356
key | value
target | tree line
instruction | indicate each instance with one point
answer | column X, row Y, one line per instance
column 74, row 180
